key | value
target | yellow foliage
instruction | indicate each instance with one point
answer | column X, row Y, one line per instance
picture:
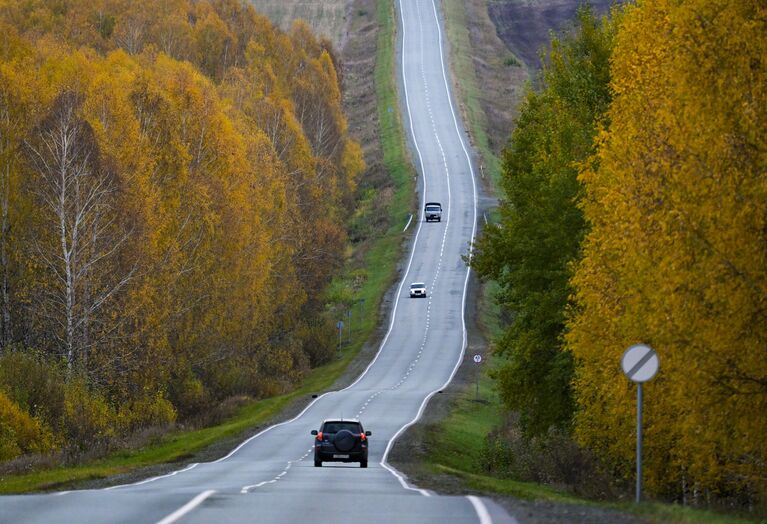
column 20, row 433
column 147, row 412
column 676, row 256
column 88, row 418
column 227, row 173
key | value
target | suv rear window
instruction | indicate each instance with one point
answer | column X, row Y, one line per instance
column 433, row 208
column 335, row 427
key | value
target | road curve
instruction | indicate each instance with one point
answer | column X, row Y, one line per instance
column 270, row 477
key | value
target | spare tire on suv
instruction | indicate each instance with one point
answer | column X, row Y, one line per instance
column 345, row 440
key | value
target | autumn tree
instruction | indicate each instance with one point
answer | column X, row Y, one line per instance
column 530, row 251
column 175, row 178
column 75, row 190
column 676, row 256
column 14, row 117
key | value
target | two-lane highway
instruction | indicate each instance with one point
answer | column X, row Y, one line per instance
column 271, row 477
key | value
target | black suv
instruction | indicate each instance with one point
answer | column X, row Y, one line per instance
column 341, row 441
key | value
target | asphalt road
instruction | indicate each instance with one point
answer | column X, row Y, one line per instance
column 271, row 477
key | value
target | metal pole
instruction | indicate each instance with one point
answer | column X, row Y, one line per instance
column 340, row 334
column 349, row 331
column 476, row 391
column 639, row 443
column 361, row 302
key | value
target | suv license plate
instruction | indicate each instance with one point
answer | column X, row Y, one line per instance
column 340, row 456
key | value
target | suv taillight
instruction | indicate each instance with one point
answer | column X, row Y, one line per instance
column 319, row 436
column 362, row 437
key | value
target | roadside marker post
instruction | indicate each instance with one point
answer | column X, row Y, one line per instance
column 361, row 302
column 340, row 327
column 477, row 360
column 349, row 331
column 640, row 363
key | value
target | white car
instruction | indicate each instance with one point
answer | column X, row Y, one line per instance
column 417, row 290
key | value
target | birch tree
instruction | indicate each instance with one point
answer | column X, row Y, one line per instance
column 76, row 193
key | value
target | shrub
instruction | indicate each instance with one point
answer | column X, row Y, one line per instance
column 150, row 411
column 20, row 433
column 553, row 459
column 41, row 392
column 319, row 340
column 187, row 392
column 88, row 417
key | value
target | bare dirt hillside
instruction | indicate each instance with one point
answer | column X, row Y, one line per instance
column 525, row 25
column 505, row 38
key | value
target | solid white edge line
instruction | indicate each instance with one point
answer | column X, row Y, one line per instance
column 186, row 508
column 384, row 462
column 152, row 479
column 481, row 509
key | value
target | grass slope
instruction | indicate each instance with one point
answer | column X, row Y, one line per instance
column 380, row 263
column 462, row 67
column 327, row 17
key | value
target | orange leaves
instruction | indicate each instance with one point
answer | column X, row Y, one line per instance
column 230, row 169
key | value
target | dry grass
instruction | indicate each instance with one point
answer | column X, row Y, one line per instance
column 488, row 78
column 326, row 17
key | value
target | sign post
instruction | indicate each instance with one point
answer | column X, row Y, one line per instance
column 477, row 360
column 640, row 364
column 349, row 331
column 340, row 327
column 361, row 303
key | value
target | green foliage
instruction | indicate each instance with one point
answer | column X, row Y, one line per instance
column 530, row 251
column 41, row 392
column 106, row 25
column 186, row 391
column 88, row 418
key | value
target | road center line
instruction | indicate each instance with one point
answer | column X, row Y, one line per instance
column 186, row 508
column 384, row 462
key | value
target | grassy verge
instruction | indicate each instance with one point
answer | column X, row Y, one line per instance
column 379, row 263
column 458, row 452
column 462, row 66
column 390, row 124
column 176, row 446
column 378, row 267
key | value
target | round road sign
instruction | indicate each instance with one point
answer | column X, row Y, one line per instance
column 340, row 324
column 640, row 363
column 477, row 358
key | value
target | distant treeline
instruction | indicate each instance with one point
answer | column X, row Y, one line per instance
column 636, row 211
column 174, row 181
